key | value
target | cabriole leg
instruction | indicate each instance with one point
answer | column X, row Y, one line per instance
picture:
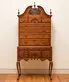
column 18, row 69
column 50, row 69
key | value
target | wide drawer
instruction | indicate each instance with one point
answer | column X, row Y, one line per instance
column 34, row 42
column 35, row 29
column 35, row 35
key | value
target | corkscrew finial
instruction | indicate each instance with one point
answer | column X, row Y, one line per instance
column 50, row 12
column 34, row 5
column 18, row 12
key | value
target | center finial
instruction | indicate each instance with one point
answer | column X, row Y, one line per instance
column 34, row 5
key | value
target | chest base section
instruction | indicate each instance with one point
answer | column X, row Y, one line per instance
column 34, row 52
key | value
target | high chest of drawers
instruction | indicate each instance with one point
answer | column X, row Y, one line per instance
column 34, row 36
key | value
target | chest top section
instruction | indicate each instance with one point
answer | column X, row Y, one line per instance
column 34, row 15
column 34, row 27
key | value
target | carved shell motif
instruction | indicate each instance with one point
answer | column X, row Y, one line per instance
column 34, row 11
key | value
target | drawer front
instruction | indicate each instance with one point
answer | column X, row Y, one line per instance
column 34, row 54
column 46, row 53
column 34, row 24
column 35, row 29
column 23, row 54
column 36, row 36
column 34, row 42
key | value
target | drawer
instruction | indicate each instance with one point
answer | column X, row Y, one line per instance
column 36, row 36
column 46, row 53
column 47, row 24
column 23, row 54
column 34, row 54
column 34, row 42
column 35, row 29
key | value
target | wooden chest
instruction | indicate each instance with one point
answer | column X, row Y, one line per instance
column 34, row 31
column 34, row 35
